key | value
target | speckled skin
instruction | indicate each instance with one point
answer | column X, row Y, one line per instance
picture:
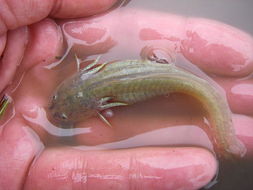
column 87, row 93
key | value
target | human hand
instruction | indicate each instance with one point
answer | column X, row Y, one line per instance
column 143, row 168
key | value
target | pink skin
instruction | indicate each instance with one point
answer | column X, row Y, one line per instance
column 218, row 49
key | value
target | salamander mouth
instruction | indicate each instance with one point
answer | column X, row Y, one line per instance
column 60, row 116
column 59, row 119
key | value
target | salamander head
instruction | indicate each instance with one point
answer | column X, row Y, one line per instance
column 66, row 110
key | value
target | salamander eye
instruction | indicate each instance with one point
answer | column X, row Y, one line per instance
column 54, row 97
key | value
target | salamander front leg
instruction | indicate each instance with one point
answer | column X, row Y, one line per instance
column 113, row 104
column 93, row 64
column 105, row 105
column 104, row 119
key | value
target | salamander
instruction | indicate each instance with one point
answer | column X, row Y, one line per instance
column 101, row 86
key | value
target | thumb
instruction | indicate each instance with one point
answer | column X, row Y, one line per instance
column 16, row 13
column 140, row 168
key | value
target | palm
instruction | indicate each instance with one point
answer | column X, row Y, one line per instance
column 68, row 167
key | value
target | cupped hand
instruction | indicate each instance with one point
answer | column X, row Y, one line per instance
column 220, row 50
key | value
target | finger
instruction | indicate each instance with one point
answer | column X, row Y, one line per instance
column 19, row 145
column 244, row 130
column 80, row 8
column 17, row 13
column 239, row 94
column 142, row 168
column 2, row 44
column 242, row 97
column 213, row 46
column 218, row 48
column 45, row 44
column 13, row 54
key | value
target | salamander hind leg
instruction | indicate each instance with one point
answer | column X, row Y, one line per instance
column 93, row 64
column 92, row 68
column 95, row 67
column 104, row 119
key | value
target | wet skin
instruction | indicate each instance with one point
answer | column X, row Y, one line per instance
column 67, row 167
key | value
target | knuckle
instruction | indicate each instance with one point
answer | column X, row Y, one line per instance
column 134, row 175
column 8, row 17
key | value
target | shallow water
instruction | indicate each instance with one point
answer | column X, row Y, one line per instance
column 232, row 12
column 175, row 120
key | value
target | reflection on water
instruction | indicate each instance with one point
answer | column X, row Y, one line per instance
column 233, row 12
